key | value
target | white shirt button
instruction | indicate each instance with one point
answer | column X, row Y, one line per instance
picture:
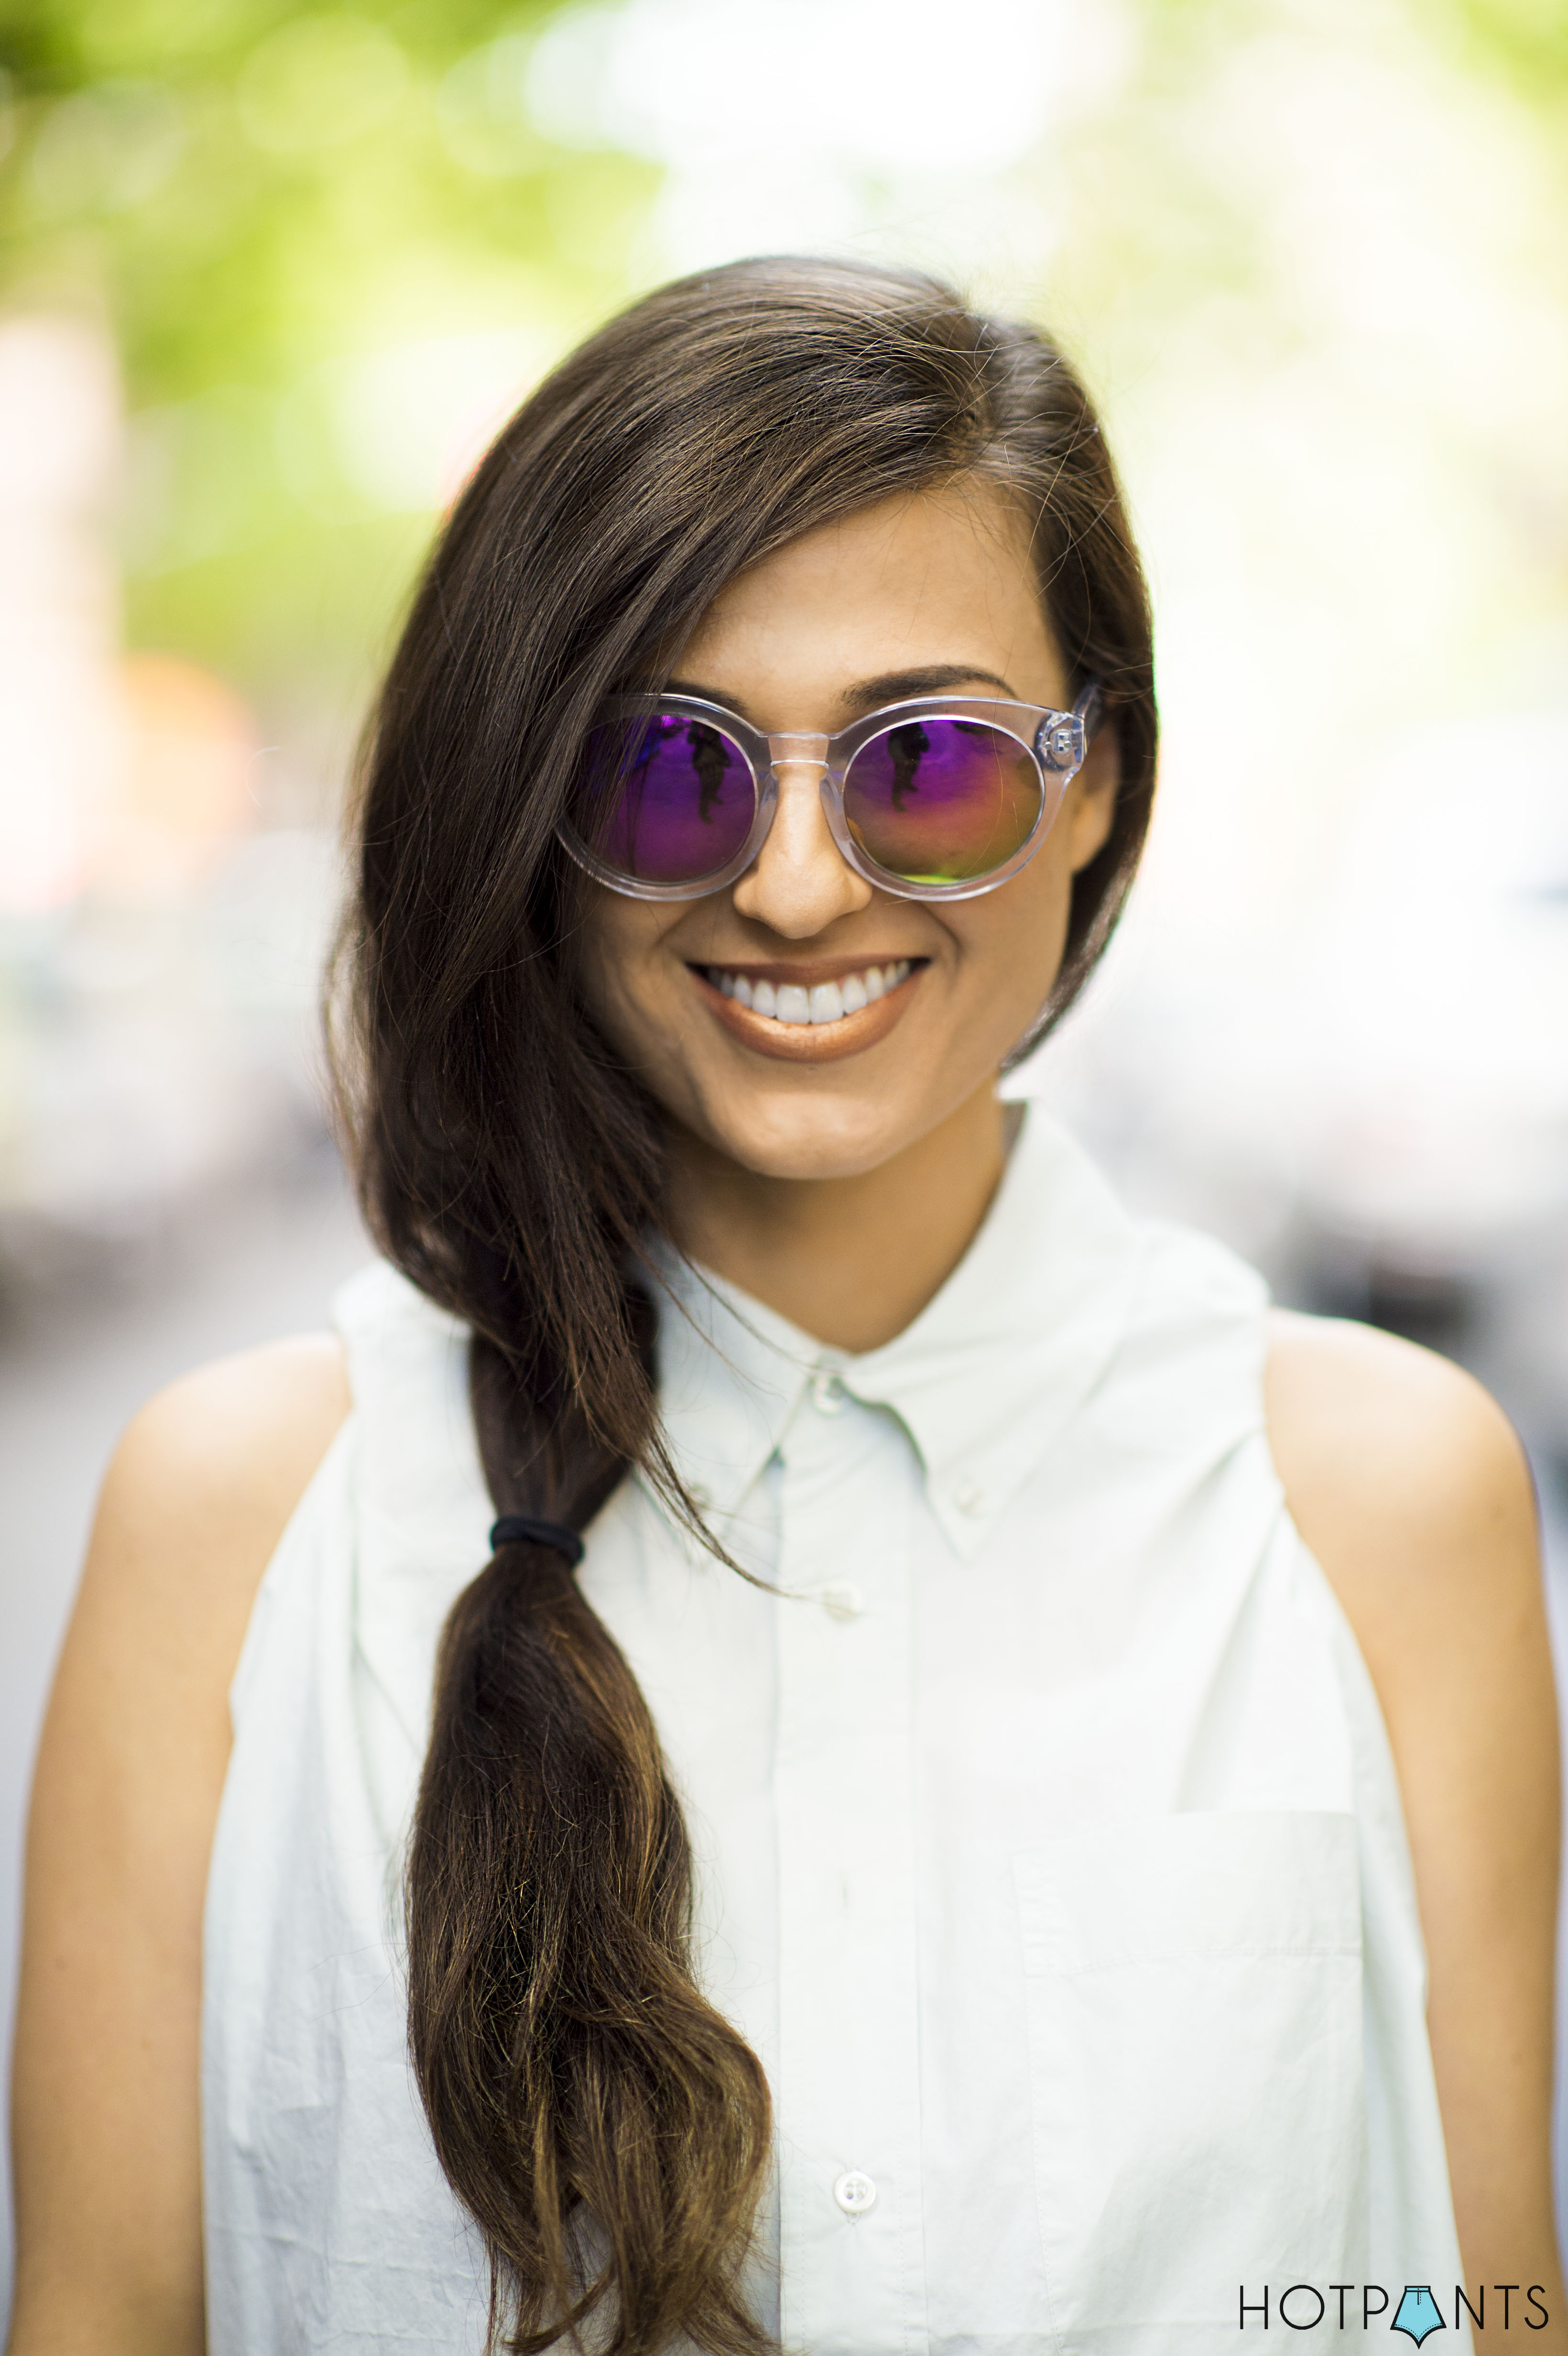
column 855, row 2192
column 969, row 1497
column 843, row 1602
column 827, row 1392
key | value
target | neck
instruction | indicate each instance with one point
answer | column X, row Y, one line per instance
column 850, row 1260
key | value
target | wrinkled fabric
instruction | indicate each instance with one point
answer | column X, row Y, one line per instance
column 1050, row 1851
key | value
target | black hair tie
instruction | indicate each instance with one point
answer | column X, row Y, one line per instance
column 521, row 1530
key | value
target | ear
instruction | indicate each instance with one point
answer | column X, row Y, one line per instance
column 1092, row 795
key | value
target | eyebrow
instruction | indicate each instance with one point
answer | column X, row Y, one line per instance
column 695, row 687
column 930, row 678
column 868, row 694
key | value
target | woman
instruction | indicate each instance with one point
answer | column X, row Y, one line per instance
column 932, row 1875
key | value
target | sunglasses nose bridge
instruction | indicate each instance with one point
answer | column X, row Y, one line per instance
column 798, row 748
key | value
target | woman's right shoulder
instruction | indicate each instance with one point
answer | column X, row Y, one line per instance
column 244, row 1433
column 211, row 1471
column 130, row 1773
column 208, row 1472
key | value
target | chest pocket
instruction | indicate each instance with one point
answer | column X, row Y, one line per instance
column 1194, row 1999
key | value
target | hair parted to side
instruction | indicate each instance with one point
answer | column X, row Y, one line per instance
column 606, row 2126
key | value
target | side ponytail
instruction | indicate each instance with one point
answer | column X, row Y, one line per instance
column 606, row 2128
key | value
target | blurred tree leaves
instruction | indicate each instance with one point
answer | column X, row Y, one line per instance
column 1525, row 40
column 259, row 198
column 329, row 239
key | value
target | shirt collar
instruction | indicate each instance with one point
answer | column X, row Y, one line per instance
column 731, row 1374
column 984, row 1380
column 997, row 1364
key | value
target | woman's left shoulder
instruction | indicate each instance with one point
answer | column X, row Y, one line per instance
column 1409, row 1486
column 1402, row 1475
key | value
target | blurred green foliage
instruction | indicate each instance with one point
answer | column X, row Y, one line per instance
column 1525, row 40
column 252, row 193
column 261, row 199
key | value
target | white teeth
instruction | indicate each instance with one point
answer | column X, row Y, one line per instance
column 822, row 1002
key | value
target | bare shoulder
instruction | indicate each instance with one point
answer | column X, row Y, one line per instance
column 195, row 1498
column 1410, row 1489
column 131, row 1769
column 256, row 1417
column 1387, row 1451
column 224, row 1454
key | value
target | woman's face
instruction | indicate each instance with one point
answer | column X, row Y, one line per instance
column 914, row 594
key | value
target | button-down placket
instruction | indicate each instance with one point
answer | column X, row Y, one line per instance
column 848, row 2066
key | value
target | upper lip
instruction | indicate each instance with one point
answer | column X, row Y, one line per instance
column 807, row 970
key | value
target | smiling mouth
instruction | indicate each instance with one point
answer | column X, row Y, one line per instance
column 811, row 1012
column 819, row 1004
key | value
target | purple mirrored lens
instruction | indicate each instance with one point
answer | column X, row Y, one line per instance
column 941, row 801
column 665, row 801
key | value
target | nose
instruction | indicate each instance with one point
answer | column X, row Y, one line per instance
column 798, row 885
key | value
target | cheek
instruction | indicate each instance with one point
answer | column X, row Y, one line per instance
column 619, row 969
column 1013, row 939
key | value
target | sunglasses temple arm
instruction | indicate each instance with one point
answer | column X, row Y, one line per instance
column 1090, row 710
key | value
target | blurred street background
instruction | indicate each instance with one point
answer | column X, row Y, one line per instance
column 269, row 277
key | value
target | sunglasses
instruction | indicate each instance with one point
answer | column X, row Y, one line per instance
column 937, row 798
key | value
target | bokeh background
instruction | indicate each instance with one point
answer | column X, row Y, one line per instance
column 270, row 275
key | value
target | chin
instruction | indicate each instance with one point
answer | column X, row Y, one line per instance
column 812, row 1142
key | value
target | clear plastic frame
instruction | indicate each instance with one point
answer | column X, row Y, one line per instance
column 869, row 774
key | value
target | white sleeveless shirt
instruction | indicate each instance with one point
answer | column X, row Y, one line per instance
column 1050, row 1851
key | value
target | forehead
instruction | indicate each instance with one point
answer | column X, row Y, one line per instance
column 933, row 578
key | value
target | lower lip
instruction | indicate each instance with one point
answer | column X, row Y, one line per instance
column 809, row 1043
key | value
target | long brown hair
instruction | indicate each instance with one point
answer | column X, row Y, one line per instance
column 606, row 2128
